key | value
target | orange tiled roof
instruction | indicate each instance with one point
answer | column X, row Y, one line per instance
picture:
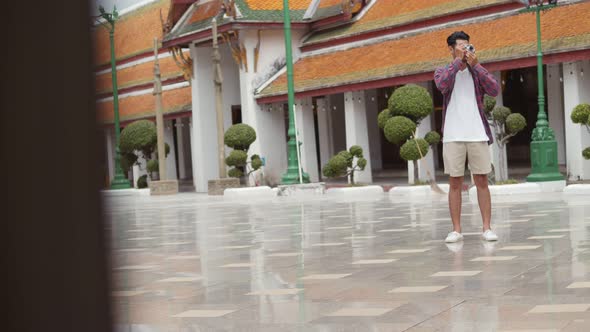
column 134, row 33
column 137, row 75
column 504, row 38
column 278, row 4
column 144, row 106
column 200, row 16
column 387, row 13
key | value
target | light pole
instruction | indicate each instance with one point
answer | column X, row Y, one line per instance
column 544, row 165
column 294, row 169
column 119, row 182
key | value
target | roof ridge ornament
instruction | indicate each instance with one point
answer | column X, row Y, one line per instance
column 228, row 7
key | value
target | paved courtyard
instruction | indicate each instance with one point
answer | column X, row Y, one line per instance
column 194, row 263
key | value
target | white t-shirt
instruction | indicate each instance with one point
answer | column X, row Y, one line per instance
column 462, row 121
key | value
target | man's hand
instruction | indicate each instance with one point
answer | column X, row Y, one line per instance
column 471, row 59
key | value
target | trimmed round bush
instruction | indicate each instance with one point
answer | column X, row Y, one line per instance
column 142, row 182
column 356, row 151
column 256, row 162
column 152, row 166
column 586, row 153
column 432, row 138
column 237, row 158
column 581, row 114
column 383, row 117
column 166, row 149
column 347, row 156
column 235, row 173
column 489, row 103
column 500, row 113
column 240, row 136
column 139, row 135
column 398, row 129
column 336, row 166
column 409, row 151
column 361, row 163
column 128, row 159
column 515, row 122
column 411, row 101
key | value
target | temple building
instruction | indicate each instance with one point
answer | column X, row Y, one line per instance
column 349, row 56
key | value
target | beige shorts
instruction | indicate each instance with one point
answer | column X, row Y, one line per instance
column 476, row 153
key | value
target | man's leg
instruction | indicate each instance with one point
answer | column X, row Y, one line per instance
column 455, row 201
column 484, row 198
column 478, row 154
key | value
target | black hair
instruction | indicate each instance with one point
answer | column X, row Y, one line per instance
column 452, row 39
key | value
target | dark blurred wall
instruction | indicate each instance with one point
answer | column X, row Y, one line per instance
column 54, row 260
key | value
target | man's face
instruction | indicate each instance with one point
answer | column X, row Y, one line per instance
column 459, row 50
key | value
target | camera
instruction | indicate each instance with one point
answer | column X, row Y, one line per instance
column 470, row 48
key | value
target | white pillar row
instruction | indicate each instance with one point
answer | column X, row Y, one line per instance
column 425, row 127
column 355, row 112
column 576, row 89
column 494, row 149
column 180, row 130
column 325, row 130
column 555, row 108
column 110, row 151
column 374, row 131
column 306, row 135
column 171, row 159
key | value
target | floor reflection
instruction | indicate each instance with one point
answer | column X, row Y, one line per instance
column 194, row 263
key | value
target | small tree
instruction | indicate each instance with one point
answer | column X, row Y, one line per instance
column 140, row 140
column 581, row 116
column 407, row 107
column 505, row 125
column 345, row 164
column 239, row 137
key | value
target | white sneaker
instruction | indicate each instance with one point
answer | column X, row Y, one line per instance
column 454, row 237
column 489, row 235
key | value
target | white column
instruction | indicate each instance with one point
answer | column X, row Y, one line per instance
column 555, row 108
column 494, row 149
column 269, row 125
column 576, row 89
column 171, row 159
column 357, row 131
column 374, row 131
column 110, row 151
column 306, row 133
column 193, row 162
column 325, row 131
column 180, row 123
column 204, row 133
column 427, row 163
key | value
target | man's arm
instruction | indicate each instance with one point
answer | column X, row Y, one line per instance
column 487, row 81
column 443, row 75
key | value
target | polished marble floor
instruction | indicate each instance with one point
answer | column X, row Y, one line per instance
column 195, row 263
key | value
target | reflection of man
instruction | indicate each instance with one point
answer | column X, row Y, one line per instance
column 466, row 132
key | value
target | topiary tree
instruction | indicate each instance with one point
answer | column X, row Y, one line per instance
column 407, row 107
column 140, row 140
column 142, row 182
column 581, row 115
column 239, row 137
column 345, row 164
column 505, row 125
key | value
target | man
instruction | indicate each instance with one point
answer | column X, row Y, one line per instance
column 465, row 129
